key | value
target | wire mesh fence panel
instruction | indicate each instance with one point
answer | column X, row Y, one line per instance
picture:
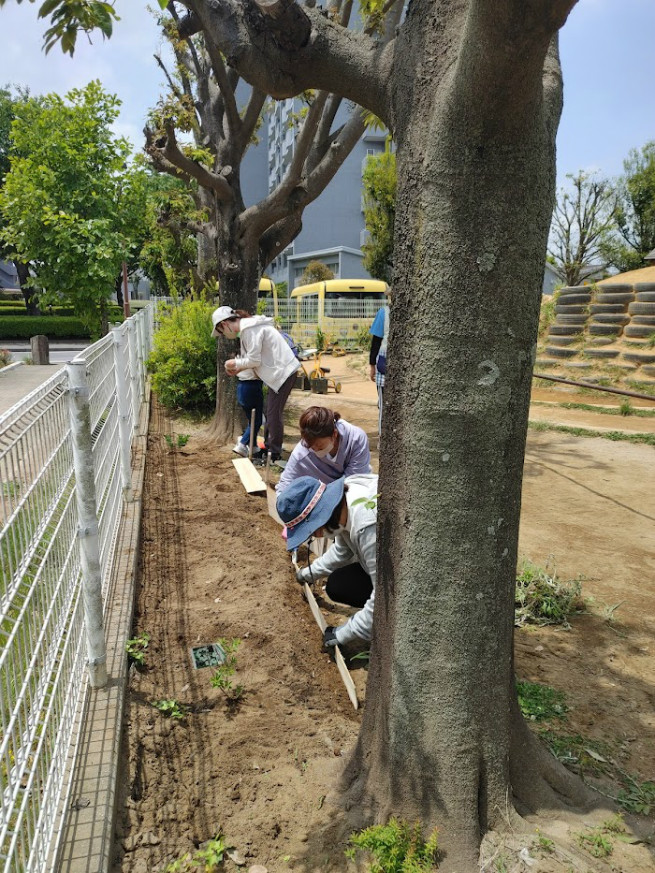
column 42, row 630
column 338, row 321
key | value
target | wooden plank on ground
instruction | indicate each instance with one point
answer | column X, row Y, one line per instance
column 338, row 657
column 271, row 499
column 250, row 478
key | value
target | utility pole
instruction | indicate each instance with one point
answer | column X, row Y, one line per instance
column 126, row 293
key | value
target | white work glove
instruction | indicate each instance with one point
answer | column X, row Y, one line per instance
column 303, row 575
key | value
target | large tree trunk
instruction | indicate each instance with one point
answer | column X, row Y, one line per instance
column 239, row 277
column 476, row 181
column 30, row 298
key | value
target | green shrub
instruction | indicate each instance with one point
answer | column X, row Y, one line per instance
column 183, row 359
column 396, row 848
column 114, row 313
column 26, row 326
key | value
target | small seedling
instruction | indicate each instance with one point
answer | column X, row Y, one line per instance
column 540, row 702
column 177, row 441
column 222, row 677
column 597, row 843
column 136, row 649
column 396, row 847
column 170, row 708
column 545, row 844
column 208, row 858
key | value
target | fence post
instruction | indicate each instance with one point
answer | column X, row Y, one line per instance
column 134, row 387
column 85, row 492
column 139, row 355
column 122, row 393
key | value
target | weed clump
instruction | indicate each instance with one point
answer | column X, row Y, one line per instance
column 543, row 599
column 540, row 702
column 396, row 847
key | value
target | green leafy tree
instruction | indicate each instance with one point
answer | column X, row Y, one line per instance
column 633, row 235
column 379, row 183
column 316, row 271
column 7, row 253
column 70, row 204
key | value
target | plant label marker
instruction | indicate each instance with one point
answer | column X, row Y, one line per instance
column 210, row 655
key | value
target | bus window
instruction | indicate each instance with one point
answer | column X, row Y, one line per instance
column 352, row 303
column 309, row 308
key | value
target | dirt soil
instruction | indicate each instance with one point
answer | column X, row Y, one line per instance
column 213, row 565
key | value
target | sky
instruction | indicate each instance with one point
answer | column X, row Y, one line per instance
column 606, row 50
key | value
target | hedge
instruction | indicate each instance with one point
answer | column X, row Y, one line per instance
column 114, row 313
column 26, row 326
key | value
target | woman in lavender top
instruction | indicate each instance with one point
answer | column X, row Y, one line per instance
column 329, row 448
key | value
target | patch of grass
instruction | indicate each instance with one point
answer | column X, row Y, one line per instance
column 637, row 797
column 170, row 708
column 396, row 847
column 626, row 407
column 607, row 410
column 541, row 598
column 614, row 435
column 540, row 702
column 581, row 754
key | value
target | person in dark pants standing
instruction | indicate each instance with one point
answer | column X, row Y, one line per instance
column 250, row 396
column 264, row 351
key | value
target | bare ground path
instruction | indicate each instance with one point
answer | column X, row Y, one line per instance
column 213, row 565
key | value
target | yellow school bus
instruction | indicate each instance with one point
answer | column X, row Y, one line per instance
column 339, row 307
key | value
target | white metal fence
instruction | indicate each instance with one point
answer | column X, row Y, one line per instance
column 341, row 320
column 65, row 453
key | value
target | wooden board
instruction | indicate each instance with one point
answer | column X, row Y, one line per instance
column 271, row 499
column 338, row 657
column 250, row 478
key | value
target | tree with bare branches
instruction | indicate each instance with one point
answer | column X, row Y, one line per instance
column 582, row 217
column 238, row 240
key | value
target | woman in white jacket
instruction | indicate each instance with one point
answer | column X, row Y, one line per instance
column 264, row 350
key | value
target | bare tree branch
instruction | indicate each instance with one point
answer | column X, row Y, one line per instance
column 214, row 181
column 299, row 49
column 226, row 88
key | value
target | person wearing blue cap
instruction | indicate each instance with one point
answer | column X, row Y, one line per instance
column 347, row 510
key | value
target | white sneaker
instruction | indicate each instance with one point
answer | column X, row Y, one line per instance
column 240, row 449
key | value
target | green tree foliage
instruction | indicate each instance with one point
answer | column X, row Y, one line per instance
column 634, row 234
column 183, row 359
column 316, row 271
column 169, row 253
column 70, row 204
column 379, row 181
column 69, row 17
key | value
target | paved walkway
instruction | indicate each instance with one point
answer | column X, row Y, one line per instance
column 17, row 382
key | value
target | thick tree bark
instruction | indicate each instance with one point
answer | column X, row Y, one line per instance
column 239, row 278
column 30, row 298
column 476, row 176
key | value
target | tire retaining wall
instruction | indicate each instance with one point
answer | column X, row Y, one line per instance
column 611, row 322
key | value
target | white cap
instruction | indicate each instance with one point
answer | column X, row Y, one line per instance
column 221, row 314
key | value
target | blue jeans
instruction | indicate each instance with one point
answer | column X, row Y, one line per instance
column 250, row 395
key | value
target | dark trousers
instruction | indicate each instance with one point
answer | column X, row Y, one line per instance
column 350, row 585
column 250, row 395
column 275, row 403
